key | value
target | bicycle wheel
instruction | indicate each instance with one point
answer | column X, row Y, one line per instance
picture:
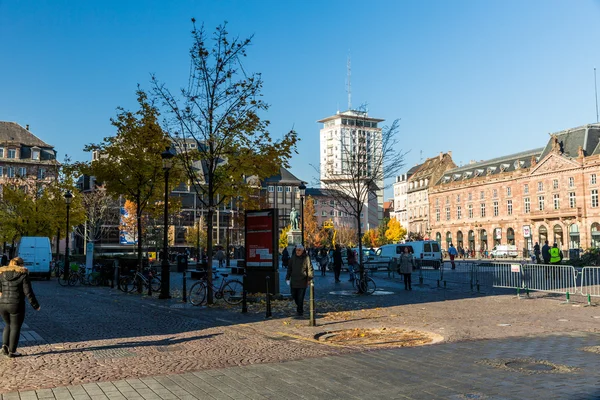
column 155, row 284
column 62, row 281
column 124, row 283
column 73, row 279
column 93, row 279
column 368, row 285
column 133, row 286
column 197, row 293
column 232, row 292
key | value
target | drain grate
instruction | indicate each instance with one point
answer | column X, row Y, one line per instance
column 529, row 366
column 168, row 349
column 113, row 353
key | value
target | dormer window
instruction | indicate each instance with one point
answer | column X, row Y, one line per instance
column 456, row 177
column 491, row 170
column 504, row 167
column 478, row 172
column 467, row 175
column 446, row 179
column 35, row 154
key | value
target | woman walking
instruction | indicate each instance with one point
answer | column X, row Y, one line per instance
column 14, row 287
column 407, row 263
column 337, row 262
column 299, row 274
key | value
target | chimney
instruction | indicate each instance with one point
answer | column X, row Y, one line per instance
column 441, row 155
column 27, row 126
column 450, row 153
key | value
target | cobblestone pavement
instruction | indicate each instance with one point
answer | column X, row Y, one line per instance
column 100, row 343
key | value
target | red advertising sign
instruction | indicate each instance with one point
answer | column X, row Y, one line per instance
column 260, row 238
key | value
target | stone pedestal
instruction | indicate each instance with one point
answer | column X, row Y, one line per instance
column 294, row 237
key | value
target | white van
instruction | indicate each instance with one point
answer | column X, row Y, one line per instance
column 36, row 254
column 504, row 250
column 428, row 251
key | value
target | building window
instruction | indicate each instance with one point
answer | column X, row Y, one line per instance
column 10, row 172
column 509, row 209
column 571, row 182
column 526, row 188
column 279, row 189
column 437, row 215
column 22, row 171
column 540, row 186
column 572, row 201
column 1, row 171
column 541, row 203
column 494, row 193
column 556, row 201
column 470, row 210
column 2, row 152
column 447, row 213
column 447, row 199
column 323, row 213
column 555, row 184
column 470, row 196
column 316, row 202
column 495, row 209
column 594, row 197
column 527, row 205
column 35, row 154
column 482, row 210
column 458, row 198
column 332, row 203
column 593, row 179
column 437, row 202
column 482, row 195
column 12, row 153
column 288, row 189
column 508, row 191
column 458, row 212
column 271, row 189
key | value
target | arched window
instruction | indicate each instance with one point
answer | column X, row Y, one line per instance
column 510, row 236
column 543, row 234
column 595, row 235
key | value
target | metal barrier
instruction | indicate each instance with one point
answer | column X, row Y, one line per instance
column 462, row 274
column 507, row 275
column 590, row 281
column 550, row 278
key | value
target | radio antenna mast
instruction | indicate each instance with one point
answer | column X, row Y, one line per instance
column 596, row 91
column 349, row 87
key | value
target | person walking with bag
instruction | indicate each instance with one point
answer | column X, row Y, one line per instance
column 285, row 258
column 299, row 274
column 337, row 262
column 14, row 287
column 407, row 263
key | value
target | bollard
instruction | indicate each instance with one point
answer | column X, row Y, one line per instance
column 589, row 299
column 568, row 297
column 518, row 293
column 268, row 314
column 116, row 274
column 149, row 283
column 244, row 300
column 311, row 292
column 477, row 287
column 527, row 292
column 184, row 299
column 438, row 283
column 444, row 284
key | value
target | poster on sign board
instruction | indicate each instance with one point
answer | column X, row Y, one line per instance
column 261, row 238
column 526, row 231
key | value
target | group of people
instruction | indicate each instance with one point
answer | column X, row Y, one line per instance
column 550, row 255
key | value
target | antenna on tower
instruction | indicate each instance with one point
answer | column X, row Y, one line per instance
column 421, row 156
column 349, row 87
column 596, row 90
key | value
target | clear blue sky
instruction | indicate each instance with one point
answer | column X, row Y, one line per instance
column 479, row 78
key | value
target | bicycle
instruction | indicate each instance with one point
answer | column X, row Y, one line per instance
column 229, row 290
column 76, row 275
column 131, row 283
column 365, row 285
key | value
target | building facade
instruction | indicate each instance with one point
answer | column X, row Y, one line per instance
column 419, row 186
column 400, row 189
column 350, row 145
column 550, row 193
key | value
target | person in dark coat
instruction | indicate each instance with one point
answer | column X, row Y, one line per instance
column 536, row 252
column 14, row 287
column 337, row 262
column 285, row 258
column 406, row 265
column 299, row 274
column 546, row 252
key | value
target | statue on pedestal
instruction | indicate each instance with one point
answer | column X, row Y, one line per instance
column 294, row 216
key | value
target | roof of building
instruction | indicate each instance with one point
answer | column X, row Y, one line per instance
column 353, row 114
column 587, row 137
column 283, row 177
column 14, row 133
column 498, row 165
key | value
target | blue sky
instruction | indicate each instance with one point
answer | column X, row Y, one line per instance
column 479, row 78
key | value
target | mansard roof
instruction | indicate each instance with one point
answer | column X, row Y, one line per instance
column 11, row 132
column 494, row 166
column 587, row 137
column 284, row 177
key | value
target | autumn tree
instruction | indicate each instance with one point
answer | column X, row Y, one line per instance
column 313, row 233
column 368, row 158
column 395, row 231
column 345, row 236
column 130, row 163
column 371, row 238
column 283, row 237
column 218, row 113
column 195, row 236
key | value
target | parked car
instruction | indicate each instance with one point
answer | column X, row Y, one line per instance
column 504, row 251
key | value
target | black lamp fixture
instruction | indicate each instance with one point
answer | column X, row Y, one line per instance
column 68, row 200
column 165, row 289
column 302, row 188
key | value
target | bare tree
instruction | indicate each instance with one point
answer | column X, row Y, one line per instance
column 217, row 125
column 100, row 210
column 367, row 155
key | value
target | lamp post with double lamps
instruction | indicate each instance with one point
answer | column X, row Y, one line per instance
column 302, row 188
column 165, row 288
column 68, row 199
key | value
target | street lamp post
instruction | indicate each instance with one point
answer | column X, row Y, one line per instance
column 68, row 199
column 165, row 289
column 302, row 188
